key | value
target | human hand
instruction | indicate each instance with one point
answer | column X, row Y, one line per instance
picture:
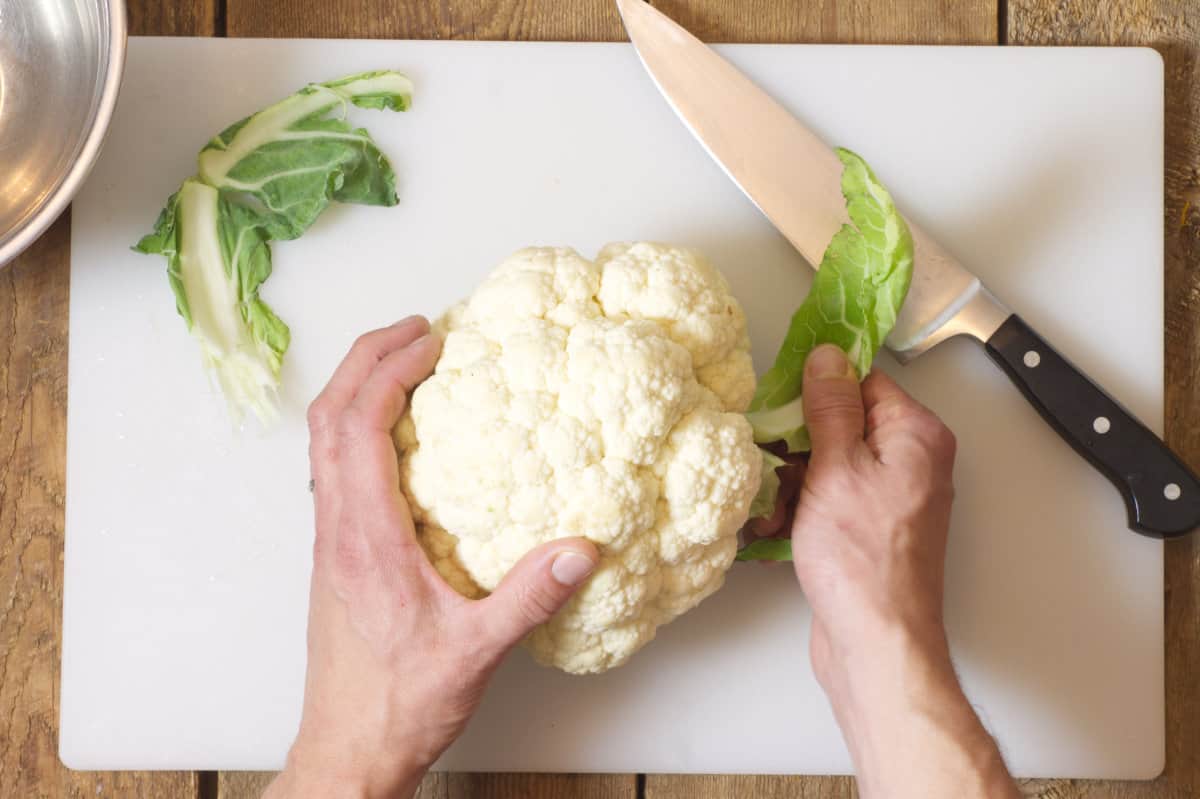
column 870, row 527
column 869, row 544
column 397, row 660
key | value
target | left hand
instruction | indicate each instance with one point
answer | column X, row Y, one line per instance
column 397, row 660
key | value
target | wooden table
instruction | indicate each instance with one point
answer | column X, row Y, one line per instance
column 33, row 356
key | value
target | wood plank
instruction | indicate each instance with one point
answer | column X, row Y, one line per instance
column 690, row 786
column 533, row 786
column 33, row 403
column 441, row 785
column 337, row 19
column 247, row 784
column 33, row 396
column 838, row 21
column 1173, row 28
column 537, row 20
column 251, row 784
column 175, row 18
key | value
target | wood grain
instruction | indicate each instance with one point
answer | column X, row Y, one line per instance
column 1173, row 28
column 690, row 786
column 33, row 404
column 250, row 784
column 173, row 17
column 33, row 416
column 530, row 786
column 33, row 401
column 843, row 21
column 518, row 20
column 33, row 314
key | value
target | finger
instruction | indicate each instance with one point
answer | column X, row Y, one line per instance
column 368, row 473
column 367, row 351
column 899, row 425
column 384, row 393
column 833, row 404
column 886, row 402
column 374, row 529
column 535, row 589
column 369, row 468
column 364, row 355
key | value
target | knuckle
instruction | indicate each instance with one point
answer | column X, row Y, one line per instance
column 350, row 425
column 937, row 437
column 946, row 442
column 318, row 414
column 925, row 426
column 368, row 342
column 835, row 404
column 891, row 410
column 536, row 604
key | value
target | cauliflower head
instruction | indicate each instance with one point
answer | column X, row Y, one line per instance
column 594, row 398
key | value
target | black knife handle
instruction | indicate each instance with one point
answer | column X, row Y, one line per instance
column 1162, row 496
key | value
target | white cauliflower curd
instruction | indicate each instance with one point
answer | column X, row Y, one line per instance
column 594, row 398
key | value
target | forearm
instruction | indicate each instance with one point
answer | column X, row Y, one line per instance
column 303, row 777
column 909, row 727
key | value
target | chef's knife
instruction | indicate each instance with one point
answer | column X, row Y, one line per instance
column 794, row 178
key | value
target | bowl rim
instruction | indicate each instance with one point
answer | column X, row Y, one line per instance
column 85, row 158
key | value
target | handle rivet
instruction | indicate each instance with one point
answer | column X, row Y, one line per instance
column 1032, row 359
column 1172, row 491
column 1101, row 425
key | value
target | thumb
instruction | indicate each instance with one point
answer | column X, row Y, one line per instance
column 536, row 588
column 833, row 404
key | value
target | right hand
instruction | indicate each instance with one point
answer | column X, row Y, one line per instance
column 869, row 545
column 870, row 527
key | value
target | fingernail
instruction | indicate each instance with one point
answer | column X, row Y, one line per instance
column 828, row 361
column 571, row 568
column 406, row 320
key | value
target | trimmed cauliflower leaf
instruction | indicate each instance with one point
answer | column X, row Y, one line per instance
column 266, row 178
column 776, row 549
column 855, row 298
column 853, row 303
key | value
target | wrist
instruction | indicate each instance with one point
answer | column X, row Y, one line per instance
column 315, row 772
column 907, row 722
column 883, row 663
column 866, row 648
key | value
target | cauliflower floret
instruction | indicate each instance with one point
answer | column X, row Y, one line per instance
column 600, row 399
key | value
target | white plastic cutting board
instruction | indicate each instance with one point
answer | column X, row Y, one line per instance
column 188, row 541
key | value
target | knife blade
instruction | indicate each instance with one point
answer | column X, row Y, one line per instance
column 794, row 179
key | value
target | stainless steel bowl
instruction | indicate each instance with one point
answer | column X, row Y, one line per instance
column 60, row 69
